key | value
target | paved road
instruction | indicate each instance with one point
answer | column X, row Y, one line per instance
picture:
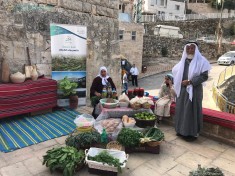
column 153, row 83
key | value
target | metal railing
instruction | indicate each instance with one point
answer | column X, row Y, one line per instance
column 155, row 18
column 221, row 101
column 224, row 75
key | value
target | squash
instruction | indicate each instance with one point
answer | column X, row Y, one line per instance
column 125, row 118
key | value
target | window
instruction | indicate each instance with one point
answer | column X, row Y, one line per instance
column 177, row 7
column 120, row 6
column 121, row 32
column 133, row 35
column 162, row 2
column 152, row 2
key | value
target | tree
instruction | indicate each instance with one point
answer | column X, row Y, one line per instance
column 219, row 31
column 228, row 4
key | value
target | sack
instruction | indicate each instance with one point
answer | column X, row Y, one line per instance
column 112, row 125
column 123, row 98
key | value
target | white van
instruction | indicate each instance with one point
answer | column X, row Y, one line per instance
column 167, row 31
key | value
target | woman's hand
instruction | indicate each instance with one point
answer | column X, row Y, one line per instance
column 98, row 94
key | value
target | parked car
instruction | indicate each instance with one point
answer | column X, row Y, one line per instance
column 207, row 39
column 233, row 42
column 227, row 58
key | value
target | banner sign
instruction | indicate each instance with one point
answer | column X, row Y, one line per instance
column 69, row 51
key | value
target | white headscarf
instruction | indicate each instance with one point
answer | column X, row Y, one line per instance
column 198, row 65
column 104, row 79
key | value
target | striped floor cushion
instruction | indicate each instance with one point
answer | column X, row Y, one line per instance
column 215, row 117
column 26, row 97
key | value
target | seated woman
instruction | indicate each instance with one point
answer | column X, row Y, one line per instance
column 166, row 96
column 101, row 80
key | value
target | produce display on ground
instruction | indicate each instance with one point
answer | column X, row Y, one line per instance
column 145, row 116
column 106, row 158
column 67, row 159
column 128, row 121
column 83, row 140
column 201, row 171
column 124, row 134
column 152, row 134
column 129, row 138
column 110, row 124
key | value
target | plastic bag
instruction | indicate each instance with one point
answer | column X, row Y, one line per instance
column 107, row 124
column 148, row 100
column 123, row 98
column 135, row 100
column 84, row 120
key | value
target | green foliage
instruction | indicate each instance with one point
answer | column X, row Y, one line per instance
column 105, row 158
column 83, row 140
column 67, row 86
column 68, row 64
column 232, row 29
column 66, row 159
column 164, row 51
column 228, row 4
column 154, row 134
column 129, row 138
column 206, row 172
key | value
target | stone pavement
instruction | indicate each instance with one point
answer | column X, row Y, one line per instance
column 177, row 157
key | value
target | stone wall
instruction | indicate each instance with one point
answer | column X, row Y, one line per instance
column 153, row 48
column 194, row 28
column 26, row 24
column 132, row 49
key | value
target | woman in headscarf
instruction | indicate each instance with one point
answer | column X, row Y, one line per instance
column 101, row 80
column 166, row 96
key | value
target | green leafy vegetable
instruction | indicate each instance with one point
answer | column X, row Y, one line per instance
column 129, row 138
column 206, row 172
column 153, row 134
column 83, row 140
column 106, row 158
column 64, row 158
column 67, row 86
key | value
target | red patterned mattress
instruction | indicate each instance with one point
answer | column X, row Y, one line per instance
column 26, row 97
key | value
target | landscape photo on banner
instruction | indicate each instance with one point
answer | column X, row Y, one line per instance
column 69, row 51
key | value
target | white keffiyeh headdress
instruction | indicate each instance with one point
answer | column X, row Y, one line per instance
column 198, row 65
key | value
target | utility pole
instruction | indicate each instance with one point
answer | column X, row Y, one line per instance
column 219, row 32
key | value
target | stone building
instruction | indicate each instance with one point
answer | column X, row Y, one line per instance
column 131, row 42
column 26, row 24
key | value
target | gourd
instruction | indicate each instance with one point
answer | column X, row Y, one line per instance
column 125, row 118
